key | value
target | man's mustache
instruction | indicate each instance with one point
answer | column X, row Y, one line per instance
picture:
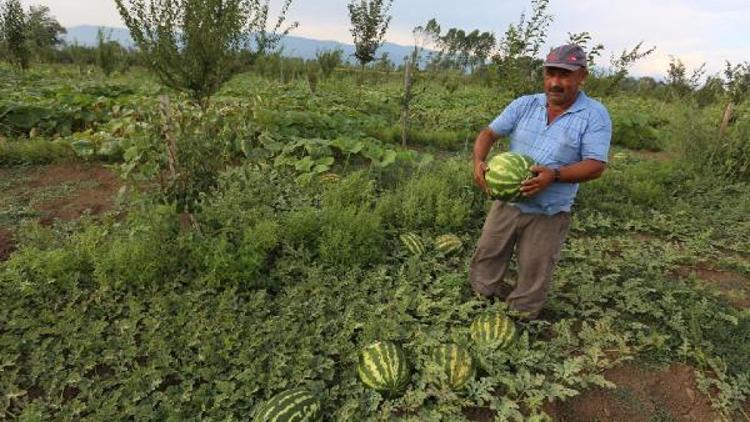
column 556, row 89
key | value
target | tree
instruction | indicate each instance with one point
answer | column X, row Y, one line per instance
column 15, row 34
column 582, row 39
column 425, row 37
column 329, row 60
column 515, row 65
column 107, row 52
column 44, row 31
column 370, row 20
column 737, row 81
column 679, row 83
column 193, row 45
column 607, row 82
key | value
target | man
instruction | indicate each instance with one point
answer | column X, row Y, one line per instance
column 568, row 135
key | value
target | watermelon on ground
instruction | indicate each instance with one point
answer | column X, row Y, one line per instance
column 448, row 243
column 295, row 405
column 413, row 243
column 493, row 330
column 457, row 364
column 383, row 367
column 506, row 172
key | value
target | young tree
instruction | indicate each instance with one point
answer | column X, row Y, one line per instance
column 329, row 60
column 193, row 45
column 608, row 82
column 15, row 34
column 80, row 55
column 516, row 64
column 679, row 83
column 583, row 39
column 107, row 52
column 370, row 20
column 425, row 37
column 44, row 31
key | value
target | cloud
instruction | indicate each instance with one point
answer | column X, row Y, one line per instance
column 690, row 30
column 693, row 30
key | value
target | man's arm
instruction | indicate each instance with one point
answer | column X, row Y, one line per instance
column 582, row 171
column 482, row 147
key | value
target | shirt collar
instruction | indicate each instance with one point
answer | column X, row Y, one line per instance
column 578, row 105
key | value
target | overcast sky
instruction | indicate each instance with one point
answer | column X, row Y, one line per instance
column 696, row 31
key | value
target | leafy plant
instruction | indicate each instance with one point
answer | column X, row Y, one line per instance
column 15, row 33
column 329, row 60
column 106, row 52
column 192, row 45
column 370, row 20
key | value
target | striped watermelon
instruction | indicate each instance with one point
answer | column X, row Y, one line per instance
column 493, row 330
column 330, row 178
column 506, row 173
column 383, row 367
column 457, row 363
column 413, row 243
column 295, row 405
column 448, row 243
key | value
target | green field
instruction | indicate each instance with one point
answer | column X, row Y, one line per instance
column 271, row 255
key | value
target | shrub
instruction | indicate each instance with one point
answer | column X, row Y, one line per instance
column 442, row 197
column 628, row 189
column 697, row 132
column 350, row 236
column 36, row 151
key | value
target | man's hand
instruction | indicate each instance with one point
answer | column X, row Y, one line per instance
column 545, row 176
column 480, row 168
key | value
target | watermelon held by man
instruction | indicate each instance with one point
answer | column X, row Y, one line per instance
column 506, row 171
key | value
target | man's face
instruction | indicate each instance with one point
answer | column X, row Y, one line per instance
column 561, row 85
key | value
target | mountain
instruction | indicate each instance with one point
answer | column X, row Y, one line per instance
column 292, row 46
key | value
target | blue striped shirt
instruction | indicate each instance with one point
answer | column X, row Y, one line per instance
column 582, row 132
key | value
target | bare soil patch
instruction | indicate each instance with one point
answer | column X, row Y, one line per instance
column 95, row 189
column 733, row 286
column 641, row 395
column 7, row 244
column 50, row 193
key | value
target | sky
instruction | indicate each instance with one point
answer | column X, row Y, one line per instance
column 695, row 31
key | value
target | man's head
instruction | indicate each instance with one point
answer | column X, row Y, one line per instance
column 564, row 73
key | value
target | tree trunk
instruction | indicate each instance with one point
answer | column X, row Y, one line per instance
column 725, row 120
column 408, row 83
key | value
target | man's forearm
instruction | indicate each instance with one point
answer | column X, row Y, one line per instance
column 483, row 144
column 583, row 171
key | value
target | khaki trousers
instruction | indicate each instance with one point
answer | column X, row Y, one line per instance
column 537, row 240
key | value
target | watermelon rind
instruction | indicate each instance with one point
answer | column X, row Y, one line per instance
column 493, row 330
column 448, row 243
column 383, row 367
column 506, row 172
column 413, row 243
column 457, row 364
column 294, row 405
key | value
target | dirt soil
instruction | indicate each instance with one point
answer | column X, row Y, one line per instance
column 97, row 187
column 733, row 286
column 642, row 395
column 7, row 244
column 50, row 193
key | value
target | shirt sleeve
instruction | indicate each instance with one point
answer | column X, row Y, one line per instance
column 596, row 140
column 504, row 124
